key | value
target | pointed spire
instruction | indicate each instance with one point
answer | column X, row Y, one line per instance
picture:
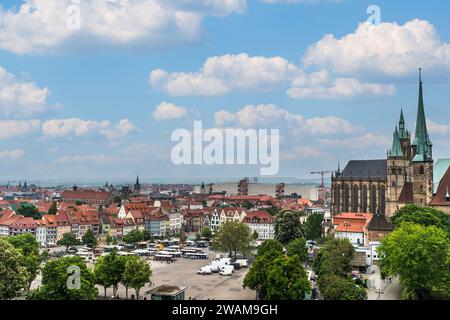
column 402, row 133
column 422, row 140
column 396, row 150
column 137, row 179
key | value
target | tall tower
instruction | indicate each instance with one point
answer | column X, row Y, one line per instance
column 137, row 186
column 398, row 166
column 422, row 161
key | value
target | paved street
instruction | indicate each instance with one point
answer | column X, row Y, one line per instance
column 390, row 290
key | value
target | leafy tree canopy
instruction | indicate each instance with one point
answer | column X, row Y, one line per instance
column 425, row 216
column 12, row 272
column 288, row 226
column 298, row 248
column 419, row 256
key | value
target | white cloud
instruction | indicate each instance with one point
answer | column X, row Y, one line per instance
column 388, row 48
column 47, row 25
column 74, row 126
column 251, row 116
column 13, row 154
column 221, row 74
column 368, row 140
column 21, row 98
column 168, row 111
column 77, row 127
column 322, row 85
column 329, row 126
column 94, row 159
column 122, row 129
column 16, row 128
column 436, row 128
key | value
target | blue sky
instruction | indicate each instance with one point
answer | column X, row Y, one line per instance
column 80, row 105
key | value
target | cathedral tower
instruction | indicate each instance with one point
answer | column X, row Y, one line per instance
column 398, row 166
column 422, row 162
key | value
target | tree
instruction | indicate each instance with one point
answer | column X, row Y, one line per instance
column 108, row 271
column 136, row 275
column 256, row 278
column 68, row 239
column 334, row 287
column 89, row 239
column 108, row 239
column 12, row 273
column 207, row 233
column 247, row 205
column 425, row 216
column 133, row 237
column 298, row 248
column 313, row 227
column 53, row 210
column 288, row 226
column 27, row 245
column 29, row 210
column 233, row 237
column 146, row 235
column 419, row 255
column 60, row 281
column 255, row 235
column 335, row 258
column 286, row 279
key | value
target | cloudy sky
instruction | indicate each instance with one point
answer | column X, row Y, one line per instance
column 97, row 99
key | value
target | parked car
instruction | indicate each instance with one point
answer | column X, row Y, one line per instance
column 243, row 263
column 227, row 271
column 205, row 270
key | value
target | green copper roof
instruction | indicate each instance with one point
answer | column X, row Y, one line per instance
column 402, row 133
column 396, row 150
column 422, row 140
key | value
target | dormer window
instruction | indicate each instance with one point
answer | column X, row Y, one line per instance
column 447, row 196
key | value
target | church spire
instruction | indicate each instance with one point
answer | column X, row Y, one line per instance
column 402, row 132
column 422, row 141
column 396, row 150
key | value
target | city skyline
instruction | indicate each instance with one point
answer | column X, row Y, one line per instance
column 100, row 104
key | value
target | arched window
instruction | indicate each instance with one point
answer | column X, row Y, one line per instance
column 421, row 170
column 383, row 200
column 364, row 198
column 373, row 200
column 355, row 198
column 346, row 198
column 337, row 197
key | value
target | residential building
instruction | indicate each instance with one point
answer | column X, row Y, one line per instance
column 261, row 222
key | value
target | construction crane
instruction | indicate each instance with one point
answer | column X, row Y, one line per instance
column 322, row 173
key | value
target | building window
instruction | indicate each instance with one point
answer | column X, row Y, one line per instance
column 373, row 200
column 346, row 197
column 364, row 199
column 383, row 200
column 355, row 198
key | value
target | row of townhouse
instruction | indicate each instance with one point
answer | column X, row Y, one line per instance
column 260, row 221
column 12, row 224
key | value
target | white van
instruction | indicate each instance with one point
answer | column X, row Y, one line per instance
column 204, row 270
column 243, row 263
column 227, row 271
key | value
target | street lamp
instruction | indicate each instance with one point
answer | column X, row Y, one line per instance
column 346, row 225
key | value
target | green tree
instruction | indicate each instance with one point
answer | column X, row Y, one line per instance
column 425, row 216
column 133, row 237
column 334, row 287
column 207, row 233
column 13, row 275
column 89, row 239
column 68, row 239
column 313, row 227
column 288, row 226
column 298, row 248
column 27, row 245
column 29, row 210
column 108, row 239
column 286, row 279
column 136, row 275
column 256, row 278
column 247, row 205
column 419, row 256
column 335, row 258
column 53, row 210
column 233, row 237
column 108, row 271
column 59, row 281
column 255, row 235
column 146, row 235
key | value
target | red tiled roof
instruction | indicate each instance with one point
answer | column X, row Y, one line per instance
column 440, row 198
column 259, row 216
column 351, row 222
column 86, row 195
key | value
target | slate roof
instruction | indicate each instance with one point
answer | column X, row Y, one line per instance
column 440, row 198
column 365, row 169
column 379, row 223
column 407, row 196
